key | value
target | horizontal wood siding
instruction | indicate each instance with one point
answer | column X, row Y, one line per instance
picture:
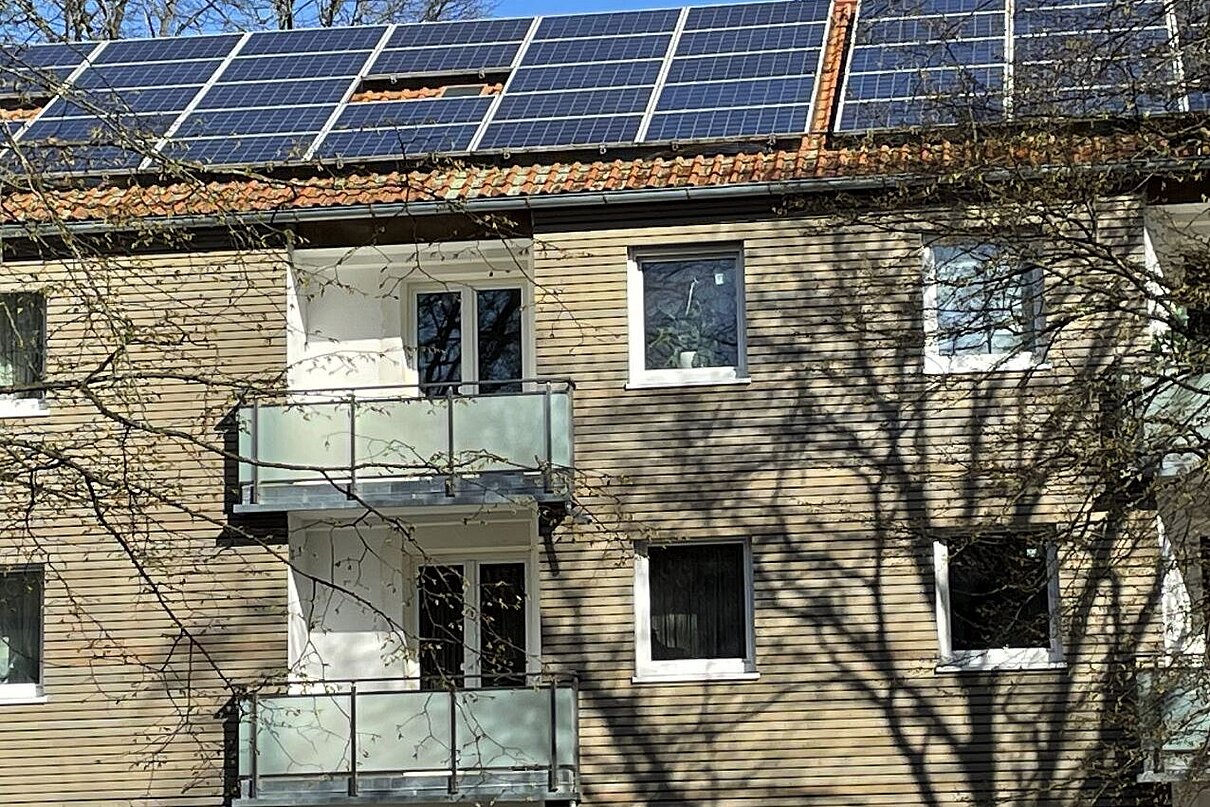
column 832, row 460
column 148, row 620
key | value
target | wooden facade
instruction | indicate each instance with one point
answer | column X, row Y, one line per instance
column 837, row 458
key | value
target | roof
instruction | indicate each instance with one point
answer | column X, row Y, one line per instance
column 818, row 152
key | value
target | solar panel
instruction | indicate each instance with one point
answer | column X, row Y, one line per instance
column 397, row 142
column 167, row 50
column 427, row 61
column 1092, row 57
column 1193, row 38
column 313, row 41
column 925, row 62
column 39, row 69
column 607, row 25
column 240, row 151
column 475, row 32
column 561, row 131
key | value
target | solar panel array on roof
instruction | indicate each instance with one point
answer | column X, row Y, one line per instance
column 630, row 78
column 925, row 62
column 1092, row 57
column 423, row 125
column 583, row 80
column 930, row 62
column 126, row 98
column 742, row 71
column 241, row 117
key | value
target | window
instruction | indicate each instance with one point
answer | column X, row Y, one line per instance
column 20, row 632
column 22, row 350
column 997, row 601
column 982, row 309
column 492, row 349
column 474, row 624
column 693, row 611
column 686, row 318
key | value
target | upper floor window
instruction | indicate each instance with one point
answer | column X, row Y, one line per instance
column 693, row 611
column 20, row 632
column 997, row 601
column 22, row 350
column 982, row 309
column 686, row 318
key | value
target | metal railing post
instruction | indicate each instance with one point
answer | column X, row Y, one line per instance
column 253, row 741
column 449, row 412
column 548, row 443
column 453, row 783
column 352, row 447
column 254, row 452
column 353, row 738
column 553, row 770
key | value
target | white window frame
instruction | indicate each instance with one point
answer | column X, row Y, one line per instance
column 640, row 376
column 937, row 363
column 30, row 693
column 471, row 633
column 996, row 658
column 12, row 406
column 467, row 286
column 648, row 670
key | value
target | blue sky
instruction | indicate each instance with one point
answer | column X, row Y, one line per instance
column 528, row 8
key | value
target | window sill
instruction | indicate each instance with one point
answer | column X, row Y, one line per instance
column 689, row 382
column 21, row 695
column 1000, row 363
column 975, row 665
column 23, row 408
column 687, row 678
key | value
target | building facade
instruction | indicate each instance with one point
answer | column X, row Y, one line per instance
column 836, row 472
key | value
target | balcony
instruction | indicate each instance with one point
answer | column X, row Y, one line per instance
column 1174, row 718
column 396, row 447
column 344, row 743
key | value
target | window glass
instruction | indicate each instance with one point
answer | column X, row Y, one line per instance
column 999, row 593
column 986, row 302
column 439, row 339
column 499, row 333
column 690, row 313
column 22, row 341
column 502, row 623
column 698, row 602
column 442, row 605
column 20, row 626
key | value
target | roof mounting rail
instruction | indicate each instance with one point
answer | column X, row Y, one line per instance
column 352, row 88
column 662, row 76
column 512, row 74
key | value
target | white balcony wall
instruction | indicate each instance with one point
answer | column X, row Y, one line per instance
column 347, row 319
column 353, row 589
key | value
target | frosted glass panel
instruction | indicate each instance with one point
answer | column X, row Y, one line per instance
column 499, row 433
column 314, row 436
column 302, row 735
column 403, row 731
column 403, row 437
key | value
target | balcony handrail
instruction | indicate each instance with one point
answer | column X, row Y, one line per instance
column 552, row 682
column 345, row 394
column 269, row 689
column 450, row 462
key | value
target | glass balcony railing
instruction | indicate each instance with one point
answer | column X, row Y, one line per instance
column 357, row 742
column 1173, row 698
column 397, row 446
column 1178, row 417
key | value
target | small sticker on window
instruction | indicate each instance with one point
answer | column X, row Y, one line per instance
column 720, row 278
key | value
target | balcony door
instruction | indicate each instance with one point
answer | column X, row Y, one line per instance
column 474, row 626
column 468, row 339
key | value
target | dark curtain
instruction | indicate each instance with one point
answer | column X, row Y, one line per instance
column 697, row 602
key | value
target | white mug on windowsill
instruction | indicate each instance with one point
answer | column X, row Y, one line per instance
column 686, row 358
